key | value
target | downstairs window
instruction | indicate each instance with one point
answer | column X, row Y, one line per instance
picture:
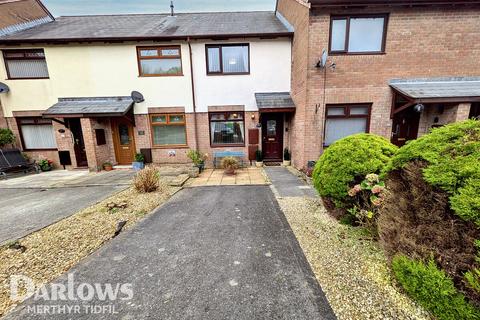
column 168, row 130
column 37, row 134
column 345, row 120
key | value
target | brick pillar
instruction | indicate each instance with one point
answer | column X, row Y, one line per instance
column 89, row 139
column 462, row 112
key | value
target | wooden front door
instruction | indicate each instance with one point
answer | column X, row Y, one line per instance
column 405, row 126
column 122, row 130
column 272, row 136
column 78, row 142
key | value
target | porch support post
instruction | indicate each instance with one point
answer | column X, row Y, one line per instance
column 462, row 112
column 89, row 140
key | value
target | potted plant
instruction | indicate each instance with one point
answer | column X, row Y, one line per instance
column 287, row 157
column 6, row 137
column 259, row 158
column 45, row 165
column 139, row 162
column 107, row 166
column 229, row 164
column 198, row 159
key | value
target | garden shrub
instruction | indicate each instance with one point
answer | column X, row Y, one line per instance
column 452, row 155
column 147, row 180
column 432, row 289
column 6, row 137
column 347, row 162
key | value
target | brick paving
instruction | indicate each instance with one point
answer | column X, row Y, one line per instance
column 217, row 177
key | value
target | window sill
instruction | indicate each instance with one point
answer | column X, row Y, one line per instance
column 227, row 145
column 181, row 146
column 379, row 53
column 38, row 150
column 161, row 75
column 228, row 74
column 27, row 78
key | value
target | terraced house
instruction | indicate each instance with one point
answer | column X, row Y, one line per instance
column 200, row 80
column 395, row 68
column 301, row 77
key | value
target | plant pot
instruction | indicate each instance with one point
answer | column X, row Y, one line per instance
column 200, row 166
column 137, row 166
column 229, row 171
column 108, row 168
column 259, row 164
column 286, row 163
column 46, row 168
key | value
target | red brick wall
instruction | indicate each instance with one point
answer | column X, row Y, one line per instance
column 97, row 155
column 161, row 155
column 297, row 13
column 445, row 115
column 421, row 42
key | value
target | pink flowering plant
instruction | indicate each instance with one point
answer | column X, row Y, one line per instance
column 367, row 197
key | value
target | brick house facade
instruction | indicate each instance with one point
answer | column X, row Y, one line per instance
column 431, row 40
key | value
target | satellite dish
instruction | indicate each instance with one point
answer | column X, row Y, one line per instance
column 4, row 88
column 137, row 97
column 322, row 63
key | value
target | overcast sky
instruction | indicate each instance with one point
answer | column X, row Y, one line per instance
column 77, row 7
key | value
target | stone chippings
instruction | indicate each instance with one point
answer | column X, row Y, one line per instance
column 53, row 250
column 351, row 269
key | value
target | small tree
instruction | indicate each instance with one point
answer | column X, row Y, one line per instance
column 6, row 137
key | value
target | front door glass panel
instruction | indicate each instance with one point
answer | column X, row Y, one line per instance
column 123, row 133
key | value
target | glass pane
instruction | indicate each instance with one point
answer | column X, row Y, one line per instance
column 34, row 54
column 38, row 137
column 10, row 54
column 218, row 116
column 336, row 111
column 124, row 135
column 235, row 59
column 170, row 52
column 272, row 128
column 214, row 60
column 177, row 118
column 161, row 66
column 340, row 128
column 227, row 132
column 359, row 110
column 27, row 68
column 235, row 116
column 27, row 121
column 339, row 30
column 149, row 53
column 169, row 135
column 161, row 119
column 366, row 34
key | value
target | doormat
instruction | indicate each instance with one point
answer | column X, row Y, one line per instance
column 272, row 164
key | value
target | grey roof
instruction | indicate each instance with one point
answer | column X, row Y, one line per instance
column 274, row 100
column 96, row 106
column 153, row 26
column 424, row 88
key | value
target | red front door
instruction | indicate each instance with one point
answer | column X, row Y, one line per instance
column 405, row 126
column 272, row 136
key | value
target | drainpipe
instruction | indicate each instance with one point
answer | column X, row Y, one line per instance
column 193, row 94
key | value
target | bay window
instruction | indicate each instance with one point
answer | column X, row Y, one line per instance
column 358, row 34
column 37, row 134
column 168, row 130
column 25, row 64
column 227, row 128
column 228, row 59
column 345, row 120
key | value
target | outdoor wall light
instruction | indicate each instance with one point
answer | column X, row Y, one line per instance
column 252, row 116
column 419, row 108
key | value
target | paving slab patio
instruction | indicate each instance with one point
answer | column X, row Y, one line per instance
column 217, row 177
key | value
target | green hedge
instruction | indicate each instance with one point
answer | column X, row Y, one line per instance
column 453, row 156
column 348, row 161
column 432, row 289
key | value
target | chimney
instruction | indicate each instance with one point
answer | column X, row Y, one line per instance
column 172, row 13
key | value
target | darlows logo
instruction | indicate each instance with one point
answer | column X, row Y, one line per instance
column 23, row 287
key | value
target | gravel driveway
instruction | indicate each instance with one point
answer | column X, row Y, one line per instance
column 209, row 253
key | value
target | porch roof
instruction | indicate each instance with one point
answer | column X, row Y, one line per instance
column 90, row 107
column 275, row 102
column 454, row 89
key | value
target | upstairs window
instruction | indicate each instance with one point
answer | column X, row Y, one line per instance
column 228, row 59
column 358, row 34
column 25, row 64
column 160, row 61
column 345, row 120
